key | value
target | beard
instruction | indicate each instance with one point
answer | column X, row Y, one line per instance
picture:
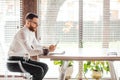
column 31, row 28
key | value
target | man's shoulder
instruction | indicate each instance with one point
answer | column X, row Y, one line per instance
column 23, row 29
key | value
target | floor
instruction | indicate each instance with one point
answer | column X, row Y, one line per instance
column 24, row 79
column 43, row 79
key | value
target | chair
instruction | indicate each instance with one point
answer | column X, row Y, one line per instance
column 16, row 66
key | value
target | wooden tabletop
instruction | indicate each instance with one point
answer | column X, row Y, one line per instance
column 81, row 54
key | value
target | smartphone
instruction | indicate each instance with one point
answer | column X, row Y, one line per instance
column 56, row 43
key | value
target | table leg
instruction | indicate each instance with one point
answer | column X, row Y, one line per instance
column 79, row 74
column 112, row 71
column 63, row 70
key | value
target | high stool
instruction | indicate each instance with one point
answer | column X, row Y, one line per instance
column 16, row 66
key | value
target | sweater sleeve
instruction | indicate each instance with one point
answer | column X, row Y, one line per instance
column 23, row 40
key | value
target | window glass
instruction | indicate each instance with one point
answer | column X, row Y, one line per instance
column 115, row 24
column 9, row 24
column 59, row 22
column 92, row 23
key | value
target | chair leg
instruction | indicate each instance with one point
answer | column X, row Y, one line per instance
column 27, row 76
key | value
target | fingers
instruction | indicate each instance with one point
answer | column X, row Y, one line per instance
column 52, row 48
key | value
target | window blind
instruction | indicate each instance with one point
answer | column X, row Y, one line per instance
column 92, row 23
column 114, row 24
column 101, row 23
column 59, row 21
column 9, row 24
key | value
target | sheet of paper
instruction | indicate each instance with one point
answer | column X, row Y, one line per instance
column 57, row 53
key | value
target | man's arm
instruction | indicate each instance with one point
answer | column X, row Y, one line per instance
column 24, row 42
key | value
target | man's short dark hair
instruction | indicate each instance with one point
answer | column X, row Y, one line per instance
column 31, row 16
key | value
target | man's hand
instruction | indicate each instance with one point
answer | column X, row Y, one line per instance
column 52, row 48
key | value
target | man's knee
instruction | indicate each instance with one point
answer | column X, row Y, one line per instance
column 46, row 67
column 38, row 71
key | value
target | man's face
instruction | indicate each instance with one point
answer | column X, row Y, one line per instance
column 33, row 24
